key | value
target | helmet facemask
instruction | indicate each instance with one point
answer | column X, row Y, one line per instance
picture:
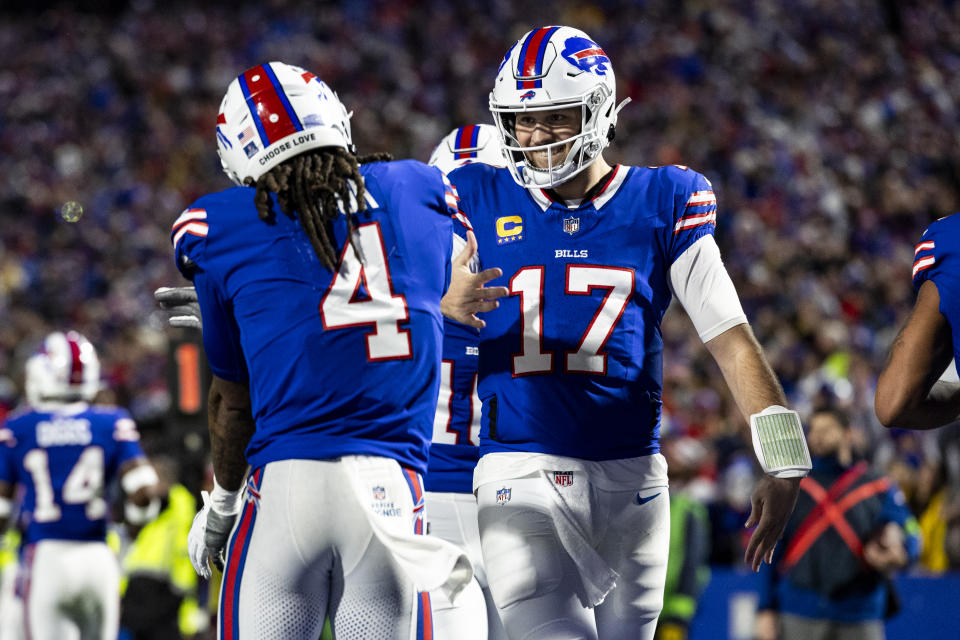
column 584, row 147
column 548, row 69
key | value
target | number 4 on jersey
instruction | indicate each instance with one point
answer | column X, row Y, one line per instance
column 362, row 294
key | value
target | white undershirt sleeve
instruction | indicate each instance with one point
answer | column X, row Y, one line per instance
column 700, row 282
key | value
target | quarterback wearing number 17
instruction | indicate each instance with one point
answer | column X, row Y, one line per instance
column 583, row 258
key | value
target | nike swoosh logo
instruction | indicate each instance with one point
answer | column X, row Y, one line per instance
column 642, row 500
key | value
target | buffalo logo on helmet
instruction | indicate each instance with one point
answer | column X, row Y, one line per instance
column 528, row 95
column 586, row 55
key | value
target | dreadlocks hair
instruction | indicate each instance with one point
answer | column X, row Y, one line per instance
column 313, row 184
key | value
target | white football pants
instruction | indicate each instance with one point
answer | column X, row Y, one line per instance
column 535, row 582
column 303, row 548
column 71, row 590
column 453, row 517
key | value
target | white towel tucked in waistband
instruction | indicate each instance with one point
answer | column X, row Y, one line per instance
column 432, row 563
column 570, row 512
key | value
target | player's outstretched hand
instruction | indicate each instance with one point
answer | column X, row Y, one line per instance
column 467, row 295
column 181, row 303
column 772, row 503
column 207, row 539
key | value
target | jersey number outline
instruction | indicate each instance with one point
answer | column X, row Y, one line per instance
column 589, row 357
column 84, row 484
column 385, row 310
column 443, row 418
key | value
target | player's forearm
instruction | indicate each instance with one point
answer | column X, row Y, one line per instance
column 231, row 427
column 938, row 407
column 745, row 369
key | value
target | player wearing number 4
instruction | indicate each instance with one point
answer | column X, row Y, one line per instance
column 571, row 487
column 64, row 453
column 319, row 279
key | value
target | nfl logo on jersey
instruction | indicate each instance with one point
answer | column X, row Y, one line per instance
column 563, row 478
column 503, row 495
column 571, row 225
column 379, row 493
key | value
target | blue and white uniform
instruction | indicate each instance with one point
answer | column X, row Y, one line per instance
column 937, row 259
column 343, row 371
column 65, row 456
column 570, row 379
column 455, row 449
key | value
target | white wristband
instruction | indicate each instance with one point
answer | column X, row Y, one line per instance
column 141, row 476
column 141, row 515
column 225, row 502
column 779, row 442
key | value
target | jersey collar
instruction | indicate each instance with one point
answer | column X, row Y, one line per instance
column 602, row 193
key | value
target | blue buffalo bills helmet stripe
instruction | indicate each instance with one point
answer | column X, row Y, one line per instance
column 530, row 61
column 467, row 138
column 271, row 109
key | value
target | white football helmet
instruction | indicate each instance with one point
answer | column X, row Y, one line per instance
column 473, row 143
column 65, row 369
column 274, row 111
column 555, row 68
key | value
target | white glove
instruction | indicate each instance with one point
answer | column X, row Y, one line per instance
column 208, row 537
column 182, row 304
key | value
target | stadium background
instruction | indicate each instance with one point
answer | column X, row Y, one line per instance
column 828, row 127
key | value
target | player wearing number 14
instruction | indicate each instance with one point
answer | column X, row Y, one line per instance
column 64, row 453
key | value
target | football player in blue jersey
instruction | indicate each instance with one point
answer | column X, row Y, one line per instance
column 455, row 447
column 911, row 392
column 571, row 487
column 319, row 279
column 64, row 453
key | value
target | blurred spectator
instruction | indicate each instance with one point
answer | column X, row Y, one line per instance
column 850, row 531
column 159, row 584
column 828, row 129
column 687, row 570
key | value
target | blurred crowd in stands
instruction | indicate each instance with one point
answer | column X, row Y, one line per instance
column 828, row 128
